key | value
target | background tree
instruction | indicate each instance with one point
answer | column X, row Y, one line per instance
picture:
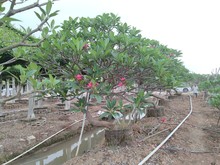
column 212, row 86
column 18, row 44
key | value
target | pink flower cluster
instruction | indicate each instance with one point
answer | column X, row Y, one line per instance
column 79, row 77
column 163, row 120
column 122, row 81
column 90, row 85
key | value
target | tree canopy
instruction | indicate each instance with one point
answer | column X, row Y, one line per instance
column 105, row 49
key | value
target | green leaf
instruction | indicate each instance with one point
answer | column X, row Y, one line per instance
column 34, row 83
column 45, row 32
column 110, row 104
column 38, row 15
column 116, row 115
column 111, row 36
column 2, row 8
column 31, row 73
column 1, row 68
column 97, row 97
column 43, row 12
column 106, row 42
column 48, row 7
column 52, row 24
column 54, row 13
column 105, row 114
column 23, row 79
column 9, row 19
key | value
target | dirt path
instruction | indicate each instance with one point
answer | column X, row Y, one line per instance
column 193, row 144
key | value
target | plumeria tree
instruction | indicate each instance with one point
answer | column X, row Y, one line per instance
column 102, row 56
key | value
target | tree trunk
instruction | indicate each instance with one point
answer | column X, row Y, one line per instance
column 13, row 87
column 98, row 123
column 0, row 86
column 1, row 107
column 67, row 105
column 31, row 103
column 38, row 100
column 8, row 92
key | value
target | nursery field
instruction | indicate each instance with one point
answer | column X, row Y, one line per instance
column 195, row 142
column 96, row 91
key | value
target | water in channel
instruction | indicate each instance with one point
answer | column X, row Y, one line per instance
column 64, row 151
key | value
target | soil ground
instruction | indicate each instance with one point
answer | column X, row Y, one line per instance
column 195, row 142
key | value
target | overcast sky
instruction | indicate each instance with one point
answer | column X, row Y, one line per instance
column 192, row 26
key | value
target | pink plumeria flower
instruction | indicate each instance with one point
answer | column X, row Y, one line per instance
column 120, row 84
column 123, row 79
column 90, row 85
column 163, row 120
column 79, row 77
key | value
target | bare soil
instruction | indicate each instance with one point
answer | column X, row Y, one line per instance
column 15, row 129
column 195, row 142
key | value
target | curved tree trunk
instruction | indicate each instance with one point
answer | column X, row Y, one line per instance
column 98, row 123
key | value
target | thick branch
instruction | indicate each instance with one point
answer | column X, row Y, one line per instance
column 159, row 97
column 9, row 61
column 3, row 1
column 25, row 38
column 13, row 11
column 20, row 44
column 97, row 122
column 35, row 30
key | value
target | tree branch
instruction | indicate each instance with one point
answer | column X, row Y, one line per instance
column 36, row 29
column 21, row 44
column 13, row 11
column 3, row 1
column 8, row 62
column 2, row 50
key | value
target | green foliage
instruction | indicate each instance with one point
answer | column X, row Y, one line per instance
column 115, row 50
column 102, row 51
column 139, row 102
column 80, row 105
column 28, row 73
column 112, row 110
column 215, row 101
column 212, row 86
column 195, row 78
